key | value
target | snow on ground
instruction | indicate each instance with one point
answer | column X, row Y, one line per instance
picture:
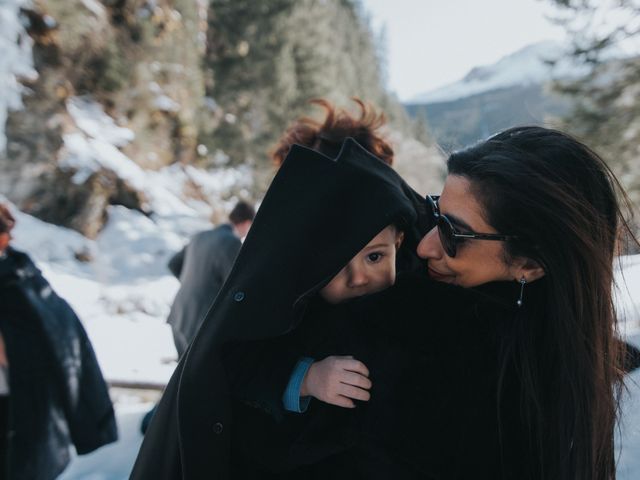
column 628, row 295
column 114, row 461
column 629, row 442
column 628, row 302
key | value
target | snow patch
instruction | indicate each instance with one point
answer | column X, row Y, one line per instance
column 94, row 7
column 88, row 155
column 16, row 61
column 627, row 294
column 90, row 117
column 166, row 104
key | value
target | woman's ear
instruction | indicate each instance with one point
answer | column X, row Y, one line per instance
column 399, row 239
column 530, row 270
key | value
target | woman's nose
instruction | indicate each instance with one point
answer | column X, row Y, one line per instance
column 430, row 246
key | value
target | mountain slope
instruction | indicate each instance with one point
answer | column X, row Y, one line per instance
column 527, row 66
column 513, row 91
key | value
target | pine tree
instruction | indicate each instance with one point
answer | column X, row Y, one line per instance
column 266, row 60
column 606, row 113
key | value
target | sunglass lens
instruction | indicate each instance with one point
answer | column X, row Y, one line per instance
column 445, row 230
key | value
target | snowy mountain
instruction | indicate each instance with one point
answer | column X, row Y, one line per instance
column 513, row 91
column 529, row 65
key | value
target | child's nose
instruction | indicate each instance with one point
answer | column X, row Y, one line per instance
column 357, row 276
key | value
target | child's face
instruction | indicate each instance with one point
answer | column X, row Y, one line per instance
column 373, row 269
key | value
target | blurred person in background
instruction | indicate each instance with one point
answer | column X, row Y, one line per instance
column 52, row 393
column 202, row 267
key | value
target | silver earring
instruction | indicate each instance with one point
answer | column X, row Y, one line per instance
column 523, row 282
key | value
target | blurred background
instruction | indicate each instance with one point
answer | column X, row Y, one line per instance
column 126, row 126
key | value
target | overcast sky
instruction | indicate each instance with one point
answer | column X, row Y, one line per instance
column 431, row 43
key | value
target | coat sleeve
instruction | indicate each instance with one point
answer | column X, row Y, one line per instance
column 259, row 371
column 87, row 405
column 92, row 422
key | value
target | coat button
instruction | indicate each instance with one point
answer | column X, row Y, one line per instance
column 239, row 296
column 217, row 428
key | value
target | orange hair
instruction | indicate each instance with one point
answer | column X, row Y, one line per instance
column 327, row 136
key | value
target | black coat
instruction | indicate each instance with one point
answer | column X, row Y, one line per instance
column 58, row 396
column 202, row 267
column 318, row 213
column 433, row 352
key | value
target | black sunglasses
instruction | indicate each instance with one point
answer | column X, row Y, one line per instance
column 450, row 237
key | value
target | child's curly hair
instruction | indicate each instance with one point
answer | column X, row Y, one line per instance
column 327, row 137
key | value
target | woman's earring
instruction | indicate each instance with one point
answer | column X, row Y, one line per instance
column 523, row 282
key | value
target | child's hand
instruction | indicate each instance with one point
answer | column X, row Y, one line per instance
column 338, row 381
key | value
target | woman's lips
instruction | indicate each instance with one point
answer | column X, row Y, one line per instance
column 435, row 275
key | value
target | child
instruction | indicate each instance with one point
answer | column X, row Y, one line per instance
column 338, row 380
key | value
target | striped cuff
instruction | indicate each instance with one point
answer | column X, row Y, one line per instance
column 291, row 398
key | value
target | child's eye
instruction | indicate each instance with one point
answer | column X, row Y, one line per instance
column 374, row 257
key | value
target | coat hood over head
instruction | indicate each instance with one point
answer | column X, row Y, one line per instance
column 317, row 214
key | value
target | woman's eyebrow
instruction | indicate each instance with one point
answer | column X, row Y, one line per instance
column 458, row 222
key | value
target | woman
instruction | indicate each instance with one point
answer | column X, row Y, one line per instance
column 551, row 204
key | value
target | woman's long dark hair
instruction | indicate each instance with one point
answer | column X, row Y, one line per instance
column 559, row 198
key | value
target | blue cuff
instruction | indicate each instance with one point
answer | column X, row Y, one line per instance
column 291, row 398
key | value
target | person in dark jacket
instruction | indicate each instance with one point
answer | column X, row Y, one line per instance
column 57, row 396
column 202, row 267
